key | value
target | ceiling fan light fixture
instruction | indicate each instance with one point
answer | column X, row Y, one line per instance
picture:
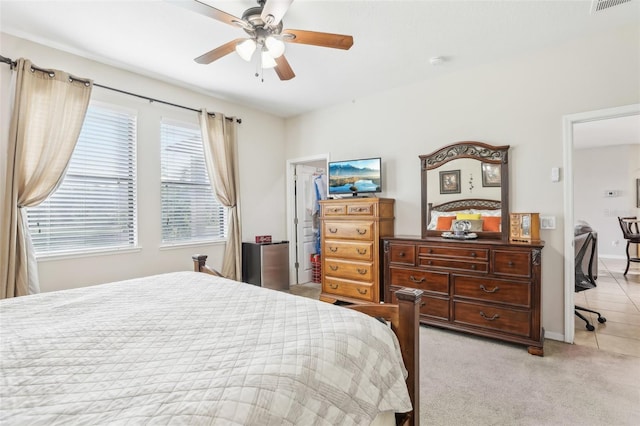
column 275, row 46
column 246, row 48
column 267, row 60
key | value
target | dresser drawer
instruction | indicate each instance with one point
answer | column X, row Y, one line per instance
column 433, row 307
column 354, row 289
column 424, row 280
column 512, row 263
column 334, row 209
column 361, row 271
column 347, row 250
column 347, row 230
column 506, row 320
column 459, row 265
column 347, row 208
column 502, row 291
column 454, row 252
column 360, row 209
column 403, row 254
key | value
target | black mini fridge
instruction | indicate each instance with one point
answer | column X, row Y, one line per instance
column 266, row 264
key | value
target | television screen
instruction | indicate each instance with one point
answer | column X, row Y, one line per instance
column 355, row 176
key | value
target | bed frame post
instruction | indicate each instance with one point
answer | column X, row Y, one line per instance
column 409, row 337
column 199, row 261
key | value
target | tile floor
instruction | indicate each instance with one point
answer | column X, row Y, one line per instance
column 617, row 298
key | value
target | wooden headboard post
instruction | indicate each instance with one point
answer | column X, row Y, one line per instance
column 409, row 338
column 199, row 262
column 200, row 265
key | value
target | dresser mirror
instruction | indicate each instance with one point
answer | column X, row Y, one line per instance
column 466, row 181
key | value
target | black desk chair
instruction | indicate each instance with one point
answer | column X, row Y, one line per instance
column 585, row 245
column 631, row 235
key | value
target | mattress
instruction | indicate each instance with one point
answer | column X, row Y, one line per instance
column 191, row 348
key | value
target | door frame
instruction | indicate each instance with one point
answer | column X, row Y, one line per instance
column 568, row 121
column 291, row 207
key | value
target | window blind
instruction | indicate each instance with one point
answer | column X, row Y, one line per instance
column 190, row 211
column 95, row 206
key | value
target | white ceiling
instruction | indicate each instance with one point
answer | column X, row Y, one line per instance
column 393, row 41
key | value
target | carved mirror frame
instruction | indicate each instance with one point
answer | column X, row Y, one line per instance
column 475, row 150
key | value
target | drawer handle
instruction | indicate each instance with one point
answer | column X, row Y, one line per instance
column 493, row 318
column 401, row 254
column 362, row 290
column 430, row 251
column 361, row 271
column 473, row 254
column 361, row 251
column 510, row 263
column 415, row 280
column 333, row 286
column 333, row 249
column 333, row 230
column 429, row 263
column 423, row 304
column 333, row 267
column 473, row 266
column 359, row 209
column 361, row 231
column 483, row 288
column 334, row 209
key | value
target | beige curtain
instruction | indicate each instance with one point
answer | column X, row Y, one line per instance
column 220, row 148
column 47, row 117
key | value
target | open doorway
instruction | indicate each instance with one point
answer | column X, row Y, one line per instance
column 300, row 226
column 572, row 129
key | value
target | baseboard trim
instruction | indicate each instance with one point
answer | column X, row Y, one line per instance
column 554, row 336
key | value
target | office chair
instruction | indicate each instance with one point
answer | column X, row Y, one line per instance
column 585, row 244
column 627, row 225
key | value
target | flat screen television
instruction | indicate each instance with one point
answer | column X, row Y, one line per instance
column 355, row 176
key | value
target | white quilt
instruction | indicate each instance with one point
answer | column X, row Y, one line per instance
column 190, row 348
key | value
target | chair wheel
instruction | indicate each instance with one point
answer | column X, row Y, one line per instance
column 590, row 327
column 602, row 320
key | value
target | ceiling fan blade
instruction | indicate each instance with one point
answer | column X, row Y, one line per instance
column 335, row 41
column 206, row 10
column 283, row 69
column 218, row 52
column 274, row 10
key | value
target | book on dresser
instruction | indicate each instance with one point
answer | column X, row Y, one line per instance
column 351, row 255
column 489, row 288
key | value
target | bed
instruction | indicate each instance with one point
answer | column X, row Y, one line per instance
column 485, row 216
column 194, row 348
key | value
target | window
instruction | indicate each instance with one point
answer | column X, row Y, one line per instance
column 190, row 211
column 95, row 206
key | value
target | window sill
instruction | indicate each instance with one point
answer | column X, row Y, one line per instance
column 171, row 246
column 78, row 254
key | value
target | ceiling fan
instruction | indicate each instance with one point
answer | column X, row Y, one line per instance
column 263, row 24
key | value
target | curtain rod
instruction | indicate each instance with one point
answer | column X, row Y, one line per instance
column 12, row 64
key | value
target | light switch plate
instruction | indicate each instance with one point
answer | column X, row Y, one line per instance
column 547, row 222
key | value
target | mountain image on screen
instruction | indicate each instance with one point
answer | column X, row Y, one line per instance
column 358, row 176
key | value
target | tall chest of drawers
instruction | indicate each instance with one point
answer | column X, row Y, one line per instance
column 350, row 233
column 489, row 288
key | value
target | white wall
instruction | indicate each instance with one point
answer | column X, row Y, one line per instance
column 261, row 153
column 595, row 171
column 518, row 102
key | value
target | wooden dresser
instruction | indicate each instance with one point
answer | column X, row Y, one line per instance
column 484, row 287
column 351, row 229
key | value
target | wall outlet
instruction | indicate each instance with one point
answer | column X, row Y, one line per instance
column 547, row 222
